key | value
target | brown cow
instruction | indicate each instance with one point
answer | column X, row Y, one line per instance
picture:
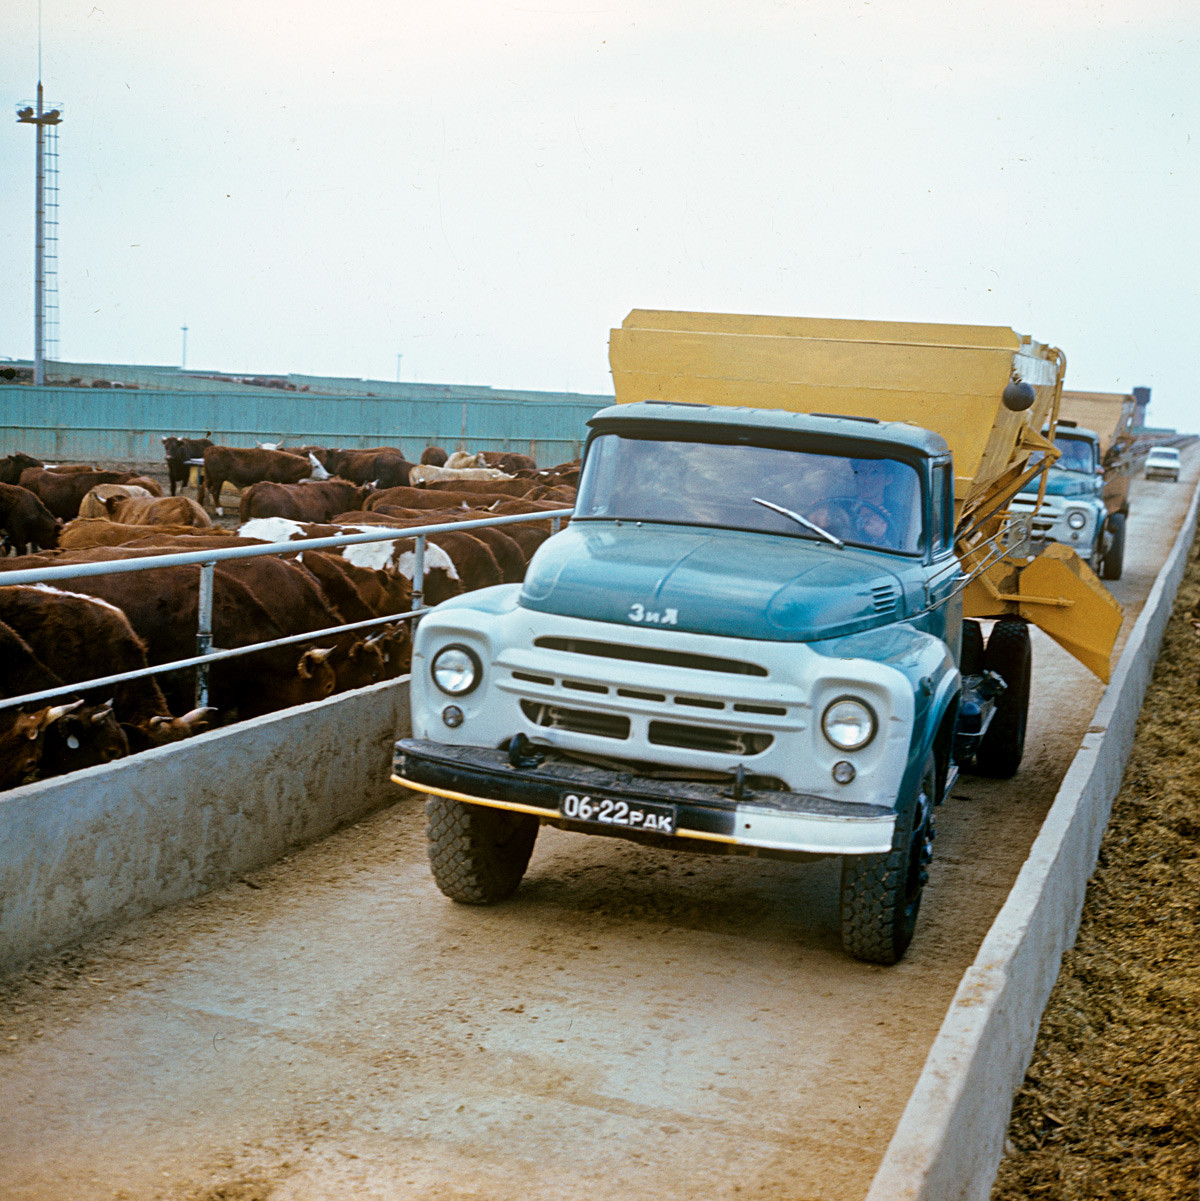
column 241, row 468
column 396, row 558
column 491, row 488
column 93, row 504
column 59, row 736
column 433, row 456
column 160, row 510
column 509, row 557
column 86, row 532
column 161, row 605
column 508, row 460
column 309, row 501
column 62, row 492
column 25, row 521
column 79, row 637
column 12, row 465
column 367, row 466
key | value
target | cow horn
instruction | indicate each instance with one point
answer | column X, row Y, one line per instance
column 196, row 716
column 376, row 639
column 101, row 714
column 320, row 653
column 161, row 721
column 56, row 712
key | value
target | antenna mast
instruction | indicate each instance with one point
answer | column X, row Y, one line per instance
column 45, row 245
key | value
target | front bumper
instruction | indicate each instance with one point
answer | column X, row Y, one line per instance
column 708, row 817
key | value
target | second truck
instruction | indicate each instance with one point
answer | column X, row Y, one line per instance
column 763, row 630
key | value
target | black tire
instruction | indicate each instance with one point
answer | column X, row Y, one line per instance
column 1114, row 558
column 970, row 659
column 1010, row 656
column 881, row 894
column 478, row 854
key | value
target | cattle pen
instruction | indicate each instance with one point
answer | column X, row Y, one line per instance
column 207, row 561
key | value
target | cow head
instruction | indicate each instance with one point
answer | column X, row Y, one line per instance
column 86, row 737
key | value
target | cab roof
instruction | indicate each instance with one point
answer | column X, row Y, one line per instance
column 900, row 434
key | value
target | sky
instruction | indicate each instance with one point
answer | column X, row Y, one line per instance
column 475, row 192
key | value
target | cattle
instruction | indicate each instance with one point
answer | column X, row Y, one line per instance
column 460, row 460
column 12, row 465
column 434, row 456
column 428, row 498
column 76, row 734
column 93, row 504
column 301, row 502
column 157, row 510
column 25, row 521
column 62, row 492
column 420, row 476
column 508, row 460
column 489, row 488
column 80, row 637
column 398, row 557
column 509, row 556
column 292, row 598
column 178, row 451
column 56, row 737
column 360, row 595
column 161, row 605
column 241, row 468
column 85, row 532
column 472, row 559
column 383, row 466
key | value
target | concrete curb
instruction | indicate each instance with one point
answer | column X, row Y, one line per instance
column 111, row 843
column 948, row 1144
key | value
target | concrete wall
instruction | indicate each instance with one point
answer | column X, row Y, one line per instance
column 115, row 842
column 948, row 1144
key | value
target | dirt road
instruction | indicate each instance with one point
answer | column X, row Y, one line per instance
column 633, row 1024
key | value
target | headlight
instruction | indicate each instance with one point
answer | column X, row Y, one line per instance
column 1076, row 520
column 849, row 723
column 456, row 670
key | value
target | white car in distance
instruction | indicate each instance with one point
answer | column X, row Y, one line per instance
column 1162, row 463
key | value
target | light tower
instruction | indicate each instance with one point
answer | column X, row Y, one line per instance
column 43, row 265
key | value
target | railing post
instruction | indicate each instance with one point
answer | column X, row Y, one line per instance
column 204, row 607
column 555, row 524
column 418, row 579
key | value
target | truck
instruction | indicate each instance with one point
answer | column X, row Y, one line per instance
column 1085, row 499
column 762, row 631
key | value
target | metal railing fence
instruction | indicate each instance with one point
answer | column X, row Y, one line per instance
column 207, row 561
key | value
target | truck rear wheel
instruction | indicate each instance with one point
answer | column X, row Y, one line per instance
column 478, row 854
column 1010, row 656
column 1114, row 557
column 881, row 894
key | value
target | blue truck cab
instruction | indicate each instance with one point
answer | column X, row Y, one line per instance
column 748, row 640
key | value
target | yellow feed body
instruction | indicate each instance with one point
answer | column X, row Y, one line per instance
column 945, row 378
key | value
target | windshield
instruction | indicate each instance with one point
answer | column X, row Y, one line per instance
column 1076, row 456
column 873, row 502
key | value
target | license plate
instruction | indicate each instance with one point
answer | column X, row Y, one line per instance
column 629, row 815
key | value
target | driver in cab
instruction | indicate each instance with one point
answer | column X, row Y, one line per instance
column 880, row 511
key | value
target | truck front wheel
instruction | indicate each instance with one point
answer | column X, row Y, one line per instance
column 1114, row 557
column 1010, row 656
column 881, row 894
column 478, row 854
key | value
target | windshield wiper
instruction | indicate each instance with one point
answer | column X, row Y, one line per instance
column 804, row 521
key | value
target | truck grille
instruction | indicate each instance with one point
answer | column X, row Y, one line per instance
column 578, row 721
column 707, row 738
